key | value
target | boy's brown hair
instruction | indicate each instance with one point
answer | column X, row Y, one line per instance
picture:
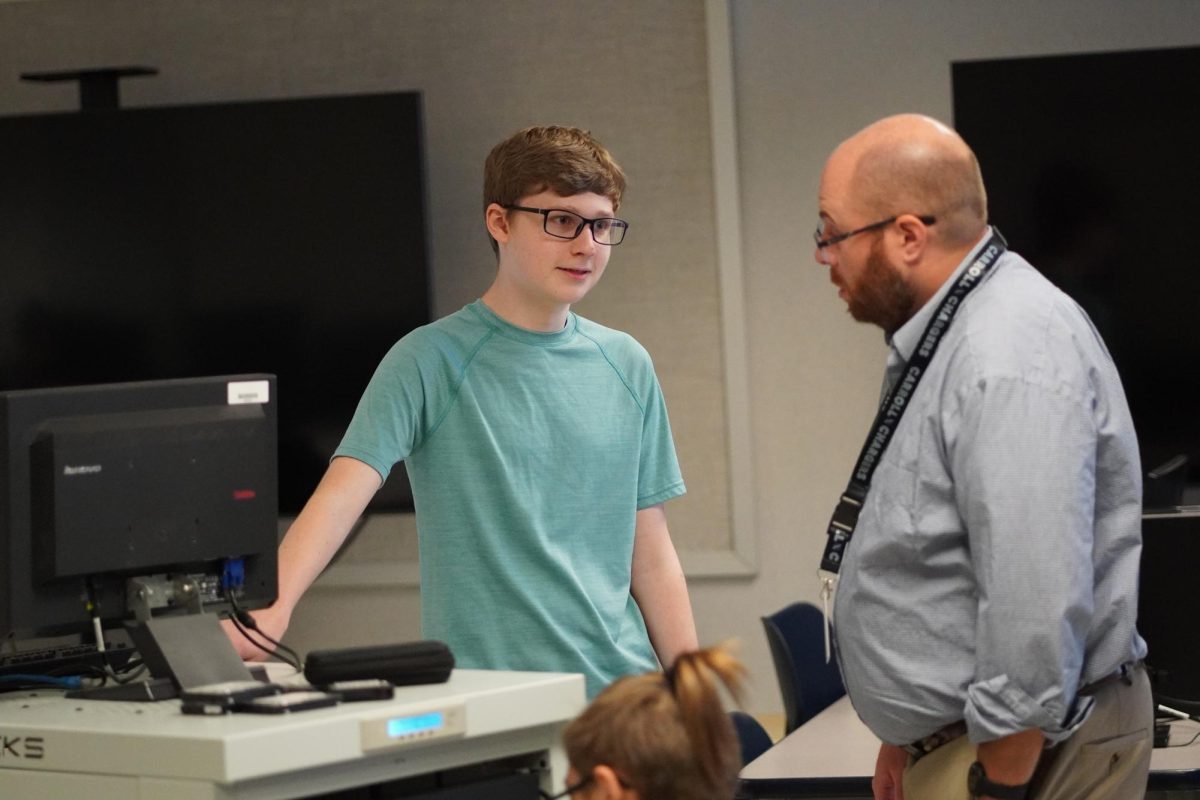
column 666, row 735
column 564, row 160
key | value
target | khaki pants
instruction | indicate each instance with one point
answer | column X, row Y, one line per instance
column 1108, row 758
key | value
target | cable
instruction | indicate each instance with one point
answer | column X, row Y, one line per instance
column 93, row 607
column 1177, row 714
column 1173, row 712
column 132, row 671
column 246, row 633
column 1188, row 742
column 1178, row 702
column 127, row 672
column 245, row 623
column 293, row 661
column 233, row 576
column 72, row 682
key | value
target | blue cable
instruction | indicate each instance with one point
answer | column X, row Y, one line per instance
column 69, row 682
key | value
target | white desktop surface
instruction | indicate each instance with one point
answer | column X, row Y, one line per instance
column 833, row 744
column 153, row 750
column 836, row 746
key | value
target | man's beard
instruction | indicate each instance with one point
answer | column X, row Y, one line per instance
column 881, row 297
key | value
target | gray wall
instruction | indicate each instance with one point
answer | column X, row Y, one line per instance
column 807, row 74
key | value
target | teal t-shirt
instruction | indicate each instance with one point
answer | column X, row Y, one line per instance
column 529, row 456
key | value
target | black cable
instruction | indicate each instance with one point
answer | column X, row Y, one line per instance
column 293, row 661
column 1188, row 742
column 243, row 620
column 92, row 605
column 127, row 672
column 246, row 633
column 1183, row 704
column 1172, row 715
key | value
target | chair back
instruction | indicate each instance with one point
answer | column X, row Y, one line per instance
column 752, row 736
column 808, row 684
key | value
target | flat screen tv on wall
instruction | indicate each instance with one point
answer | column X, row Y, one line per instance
column 1092, row 172
column 281, row 236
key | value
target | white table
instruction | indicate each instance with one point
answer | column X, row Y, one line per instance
column 833, row 755
column 54, row 747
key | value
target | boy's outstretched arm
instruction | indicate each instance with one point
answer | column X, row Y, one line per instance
column 311, row 541
column 660, row 589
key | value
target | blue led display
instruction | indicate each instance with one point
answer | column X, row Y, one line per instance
column 403, row 726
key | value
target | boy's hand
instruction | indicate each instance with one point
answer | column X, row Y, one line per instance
column 274, row 623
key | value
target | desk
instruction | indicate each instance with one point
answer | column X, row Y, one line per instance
column 833, row 755
column 53, row 747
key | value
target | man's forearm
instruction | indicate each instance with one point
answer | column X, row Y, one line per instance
column 1012, row 759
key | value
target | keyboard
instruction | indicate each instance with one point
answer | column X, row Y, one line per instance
column 73, row 659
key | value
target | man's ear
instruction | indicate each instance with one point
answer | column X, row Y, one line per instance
column 608, row 784
column 912, row 238
column 496, row 218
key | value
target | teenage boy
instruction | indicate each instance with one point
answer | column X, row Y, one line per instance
column 536, row 442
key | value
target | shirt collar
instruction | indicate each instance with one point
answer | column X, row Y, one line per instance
column 906, row 338
column 525, row 335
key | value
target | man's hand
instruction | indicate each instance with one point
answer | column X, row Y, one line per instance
column 274, row 623
column 1012, row 759
column 888, row 783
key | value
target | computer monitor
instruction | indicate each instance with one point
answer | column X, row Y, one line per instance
column 132, row 499
column 1167, row 602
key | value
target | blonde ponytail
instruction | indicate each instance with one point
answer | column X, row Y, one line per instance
column 704, row 718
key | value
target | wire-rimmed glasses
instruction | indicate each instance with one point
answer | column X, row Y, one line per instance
column 829, row 241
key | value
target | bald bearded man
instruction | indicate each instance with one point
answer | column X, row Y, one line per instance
column 989, row 540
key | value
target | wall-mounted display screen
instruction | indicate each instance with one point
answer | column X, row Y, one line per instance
column 283, row 236
column 1091, row 167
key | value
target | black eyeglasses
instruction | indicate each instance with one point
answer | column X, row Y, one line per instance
column 567, row 792
column 841, row 237
column 563, row 224
column 573, row 788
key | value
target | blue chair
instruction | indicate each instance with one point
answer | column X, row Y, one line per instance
column 808, row 685
column 752, row 736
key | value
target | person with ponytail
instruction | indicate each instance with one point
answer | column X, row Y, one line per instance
column 659, row 736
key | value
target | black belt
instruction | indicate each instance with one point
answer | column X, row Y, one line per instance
column 925, row 746
column 1123, row 673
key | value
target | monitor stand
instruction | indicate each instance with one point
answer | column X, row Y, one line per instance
column 190, row 650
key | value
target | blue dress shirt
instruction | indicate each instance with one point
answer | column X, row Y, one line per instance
column 994, row 567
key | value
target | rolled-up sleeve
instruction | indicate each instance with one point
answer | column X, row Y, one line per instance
column 1024, row 457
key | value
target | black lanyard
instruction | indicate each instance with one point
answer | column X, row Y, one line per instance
column 845, row 516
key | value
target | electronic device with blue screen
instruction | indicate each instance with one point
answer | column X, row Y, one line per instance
column 446, row 720
column 130, row 501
